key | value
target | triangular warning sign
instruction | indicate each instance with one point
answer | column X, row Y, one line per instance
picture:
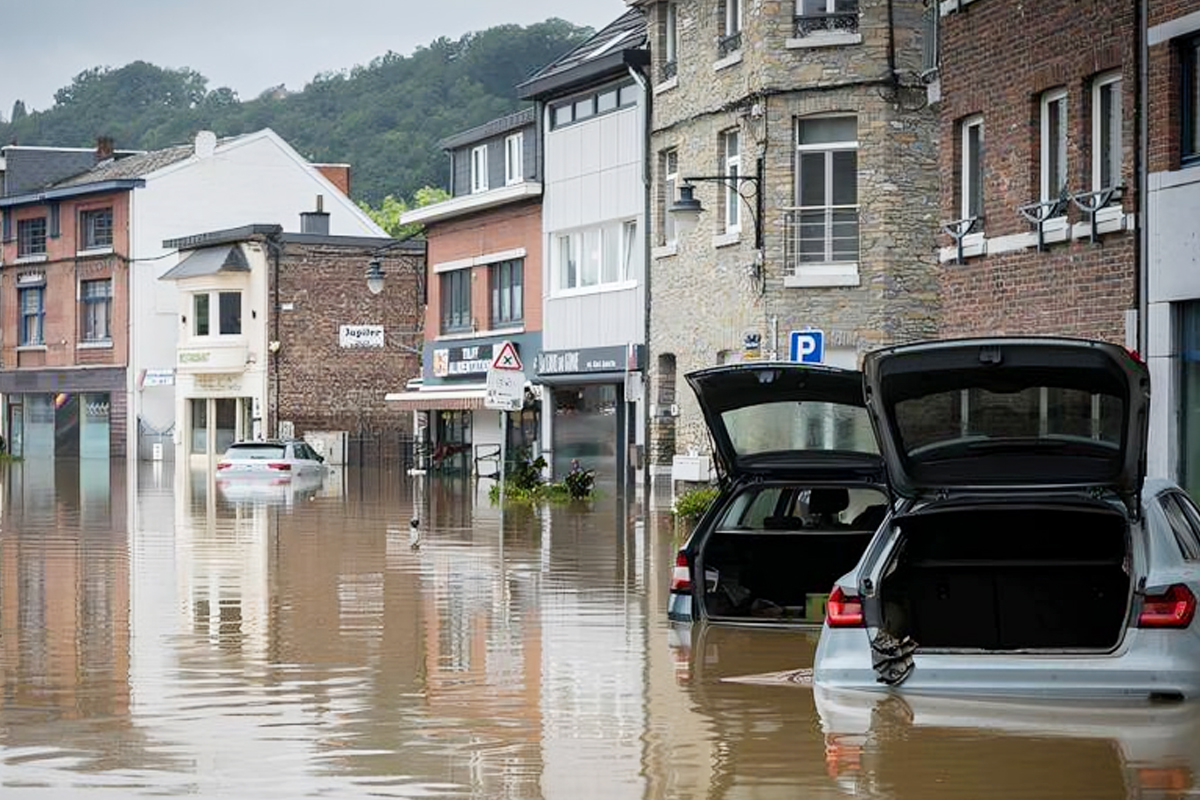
column 507, row 358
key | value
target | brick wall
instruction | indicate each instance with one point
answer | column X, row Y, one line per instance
column 1164, row 118
column 506, row 228
column 997, row 59
column 321, row 385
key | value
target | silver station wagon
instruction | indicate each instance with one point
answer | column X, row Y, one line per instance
column 1027, row 555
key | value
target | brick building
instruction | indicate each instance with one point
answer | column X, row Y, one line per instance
column 485, row 264
column 1172, row 163
column 827, row 100
column 1037, row 167
column 279, row 334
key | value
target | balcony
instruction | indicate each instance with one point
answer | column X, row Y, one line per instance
column 834, row 22
column 821, row 245
column 728, row 45
column 668, row 70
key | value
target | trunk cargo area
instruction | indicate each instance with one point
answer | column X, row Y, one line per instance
column 994, row 578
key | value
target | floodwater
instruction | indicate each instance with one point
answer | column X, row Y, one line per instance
column 162, row 636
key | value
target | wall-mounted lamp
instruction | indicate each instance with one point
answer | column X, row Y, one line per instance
column 375, row 276
column 686, row 210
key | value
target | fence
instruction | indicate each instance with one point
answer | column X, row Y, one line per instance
column 385, row 449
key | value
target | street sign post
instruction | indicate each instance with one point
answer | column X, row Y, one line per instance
column 807, row 346
column 505, row 392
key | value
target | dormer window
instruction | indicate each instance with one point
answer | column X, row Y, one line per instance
column 96, row 228
column 514, row 159
column 31, row 237
column 479, row 169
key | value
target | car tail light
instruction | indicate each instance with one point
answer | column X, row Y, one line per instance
column 280, row 465
column 223, row 465
column 681, row 577
column 843, row 610
column 1174, row 608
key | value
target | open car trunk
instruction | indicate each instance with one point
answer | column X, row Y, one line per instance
column 782, row 566
column 1006, row 579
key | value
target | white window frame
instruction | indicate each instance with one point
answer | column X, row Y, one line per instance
column 1109, row 81
column 970, row 180
column 597, row 268
column 1049, row 100
column 733, row 17
column 731, row 163
column 90, row 305
column 670, row 188
column 514, row 159
column 671, row 39
column 479, row 169
column 828, row 148
column 214, row 314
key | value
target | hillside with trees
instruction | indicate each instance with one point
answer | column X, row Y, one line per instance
column 384, row 118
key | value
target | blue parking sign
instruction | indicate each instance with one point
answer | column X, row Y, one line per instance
column 807, row 346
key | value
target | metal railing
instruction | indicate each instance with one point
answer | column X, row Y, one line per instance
column 669, row 70
column 729, row 44
column 820, row 235
column 837, row 21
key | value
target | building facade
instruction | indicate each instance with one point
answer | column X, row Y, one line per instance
column 484, row 251
column 592, row 111
column 805, row 132
column 1039, row 196
column 1172, row 163
column 280, row 337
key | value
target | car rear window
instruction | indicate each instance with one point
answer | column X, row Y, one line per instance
column 263, row 451
column 791, row 426
column 992, row 413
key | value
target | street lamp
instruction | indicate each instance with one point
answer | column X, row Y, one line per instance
column 686, row 210
column 375, row 276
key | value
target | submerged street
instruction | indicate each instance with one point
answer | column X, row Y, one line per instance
column 163, row 635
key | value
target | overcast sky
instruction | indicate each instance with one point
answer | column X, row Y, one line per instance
column 247, row 45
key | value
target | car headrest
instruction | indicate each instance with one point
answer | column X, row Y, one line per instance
column 828, row 501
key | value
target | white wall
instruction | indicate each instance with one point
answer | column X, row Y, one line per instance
column 256, row 179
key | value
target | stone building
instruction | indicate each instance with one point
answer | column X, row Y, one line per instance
column 819, row 109
column 1172, row 162
column 1037, row 144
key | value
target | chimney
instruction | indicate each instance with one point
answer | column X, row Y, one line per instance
column 315, row 221
column 337, row 174
column 104, row 148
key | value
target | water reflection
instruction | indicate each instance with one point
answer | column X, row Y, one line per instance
column 159, row 635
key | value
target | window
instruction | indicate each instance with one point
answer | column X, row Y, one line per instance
column 815, row 16
column 670, row 183
column 479, row 169
column 96, row 228
column 508, row 302
column 31, row 237
column 731, row 163
column 733, row 18
column 596, row 256
column 229, row 313
column 1175, row 506
column 1190, row 100
column 1054, row 145
column 600, row 101
column 971, row 177
column 456, row 301
column 32, row 300
column 671, row 41
column 95, row 299
column 1106, row 132
column 825, row 221
column 514, row 159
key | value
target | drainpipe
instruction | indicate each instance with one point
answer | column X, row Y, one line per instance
column 275, row 247
column 647, row 176
column 1140, row 169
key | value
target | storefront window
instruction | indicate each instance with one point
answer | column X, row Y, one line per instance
column 199, row 425
column 585, row 428
column 1189, row 383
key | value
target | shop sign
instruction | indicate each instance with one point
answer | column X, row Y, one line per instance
column 159, row 377
column 361, row 336
column 590, row 359
column 194, row 357
column 455, row 362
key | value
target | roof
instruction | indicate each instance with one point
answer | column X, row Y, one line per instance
column 209, row 261
column 135, row 166
column 521, row 119
column 247, row 232
column 30, row 168
column 617, row 46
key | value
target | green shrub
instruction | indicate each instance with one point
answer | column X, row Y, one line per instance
column 693, row 503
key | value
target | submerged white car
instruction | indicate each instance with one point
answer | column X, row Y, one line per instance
column 1028, row 556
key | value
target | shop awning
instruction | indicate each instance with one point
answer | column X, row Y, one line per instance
column 460, row 398
column 208, row 261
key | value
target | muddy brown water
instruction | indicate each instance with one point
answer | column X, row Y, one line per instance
column 161, row 635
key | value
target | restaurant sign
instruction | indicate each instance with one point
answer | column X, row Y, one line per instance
column 457, row 362
column 591, row 359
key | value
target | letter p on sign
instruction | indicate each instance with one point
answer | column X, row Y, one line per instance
column 807, row 346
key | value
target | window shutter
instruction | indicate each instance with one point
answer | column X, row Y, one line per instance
column 55, row 228
column 6, row 224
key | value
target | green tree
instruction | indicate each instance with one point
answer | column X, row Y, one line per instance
column 387, row 216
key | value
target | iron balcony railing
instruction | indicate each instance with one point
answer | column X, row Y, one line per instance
column 821, row 235
column 729, row 44
column 837, row 21
column 669, row 70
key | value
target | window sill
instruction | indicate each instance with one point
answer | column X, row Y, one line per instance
column 34, row 259
column 31, row 348
column 456, row 336
column 823, row 275
column 99, row 344
column 666, row 251
column 974, row 244
column 728, row 61
column 507, row 327
column 95, row 251
column 1056, row 229
column 727, row 239
column 599, row 288
column 667, row 85
column 824, row 39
